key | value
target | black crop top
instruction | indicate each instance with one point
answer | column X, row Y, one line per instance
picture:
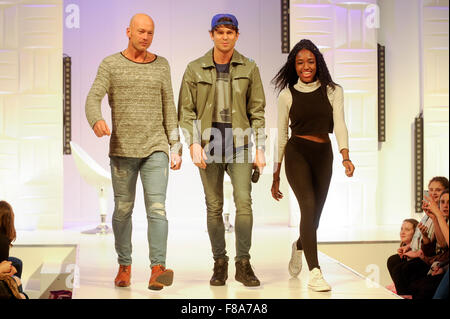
column 310, row 113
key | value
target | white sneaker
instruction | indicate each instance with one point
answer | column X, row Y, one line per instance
column 316, row 281
column 295, row 264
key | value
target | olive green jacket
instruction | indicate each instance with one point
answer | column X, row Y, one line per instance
column 197, row 98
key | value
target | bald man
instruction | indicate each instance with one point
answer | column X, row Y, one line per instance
column 144, row 125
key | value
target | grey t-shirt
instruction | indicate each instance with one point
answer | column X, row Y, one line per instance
column 222, row 107
column 221, row 141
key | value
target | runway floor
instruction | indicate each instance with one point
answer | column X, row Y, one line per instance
column 189, row 255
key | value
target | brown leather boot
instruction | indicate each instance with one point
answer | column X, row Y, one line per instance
column 245, row 274
column 220, row 273
column 160, row 277
column 123, row 276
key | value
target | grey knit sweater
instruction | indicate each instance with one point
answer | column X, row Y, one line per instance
column 144, row 118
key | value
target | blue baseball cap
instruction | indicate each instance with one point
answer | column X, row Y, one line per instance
column 215, row 20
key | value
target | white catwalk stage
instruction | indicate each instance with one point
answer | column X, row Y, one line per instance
column 55, row 259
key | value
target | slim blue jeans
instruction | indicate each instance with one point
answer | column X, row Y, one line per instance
column 154, row 176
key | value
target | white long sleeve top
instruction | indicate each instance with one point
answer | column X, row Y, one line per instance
column 336, row 98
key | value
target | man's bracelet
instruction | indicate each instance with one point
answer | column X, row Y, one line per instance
column 346, row 160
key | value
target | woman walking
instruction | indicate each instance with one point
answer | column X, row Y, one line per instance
column 314, row 106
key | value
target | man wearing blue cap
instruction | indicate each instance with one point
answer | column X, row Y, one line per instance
column 221, row 104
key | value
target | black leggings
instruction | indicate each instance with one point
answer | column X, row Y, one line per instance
column 309, row 167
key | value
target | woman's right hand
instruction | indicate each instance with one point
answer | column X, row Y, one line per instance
column 424, row 230
column 432, row 207
column 426, row 207
column 276, row 194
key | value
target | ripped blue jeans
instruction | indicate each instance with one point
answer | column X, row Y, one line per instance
column 154, row 176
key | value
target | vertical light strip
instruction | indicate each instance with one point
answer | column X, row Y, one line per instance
column 381, row 94
column 67, row 104
column 285, row 33
column 418, row 162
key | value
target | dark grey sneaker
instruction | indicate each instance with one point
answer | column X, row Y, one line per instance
column 245, row 274
column 220, row 274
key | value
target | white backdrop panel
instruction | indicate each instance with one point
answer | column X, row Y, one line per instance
column 31, row 166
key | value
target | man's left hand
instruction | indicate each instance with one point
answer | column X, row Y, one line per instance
column 175, row 161
column 260, row 160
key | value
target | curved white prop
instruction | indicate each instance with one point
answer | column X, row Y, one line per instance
column 89, row 169
column 96, row 176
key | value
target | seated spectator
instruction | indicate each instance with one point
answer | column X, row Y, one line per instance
column 442, row 219
column 7, row 236
column 435, row 254
column 9, row 284
column 440, row 213
column 410, row 266
column 435, row 188
column 406, row 234
column 437, row 211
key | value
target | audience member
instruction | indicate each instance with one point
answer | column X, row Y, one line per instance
column 9, row 265
column 421, row 272
column 435, row 188
column 410, row 264
column 10, row 285
column 441, row 216
column 435, row 254
column 406, row 234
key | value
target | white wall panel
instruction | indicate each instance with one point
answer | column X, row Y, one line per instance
column 31, row 111
column 436, row 87
column 40, row 24
column 11, row 116
column 9, row 71
column 9, row 17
